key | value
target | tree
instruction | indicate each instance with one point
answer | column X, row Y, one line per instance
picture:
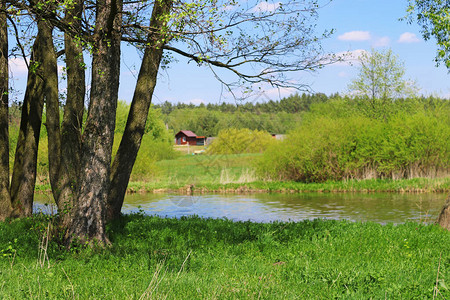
column 381, row 79
column 5, row 198
column 432, row 16
column 24, row 171
column 258, row 42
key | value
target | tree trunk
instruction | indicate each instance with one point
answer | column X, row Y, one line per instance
column 137, row 117
column 25, row 163
column 5, row 198
column 444, row 216
column 88, row 218
column 50, row 76
column 67, row 167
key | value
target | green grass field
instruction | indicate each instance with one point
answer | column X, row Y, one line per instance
column 193, row 258
column 207, row 169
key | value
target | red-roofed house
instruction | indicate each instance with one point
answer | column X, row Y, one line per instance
column 185, row 137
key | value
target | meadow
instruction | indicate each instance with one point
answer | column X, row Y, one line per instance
column 194, row 258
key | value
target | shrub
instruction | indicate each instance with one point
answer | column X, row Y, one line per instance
column 236, row 141
column 328, row 146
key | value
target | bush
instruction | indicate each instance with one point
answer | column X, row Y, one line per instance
column 236, row 141
column 330, row 146
column 152, row 150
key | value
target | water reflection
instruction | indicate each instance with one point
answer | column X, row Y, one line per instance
column 381, row 208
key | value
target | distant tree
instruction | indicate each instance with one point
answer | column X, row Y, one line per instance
column 433, row 16
column 166, row 107
column 381, row 79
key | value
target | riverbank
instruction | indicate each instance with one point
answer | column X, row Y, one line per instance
column 193, row 258
column 417, row 185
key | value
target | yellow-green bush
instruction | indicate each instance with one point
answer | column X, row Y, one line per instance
column 236, row 141
column 328, row 147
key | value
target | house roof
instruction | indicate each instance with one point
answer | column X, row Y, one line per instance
column 187, row 133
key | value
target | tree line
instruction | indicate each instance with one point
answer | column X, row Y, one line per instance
column 295, row 103
column 276, row 117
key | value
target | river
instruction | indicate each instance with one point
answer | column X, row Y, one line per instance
column 377, row 207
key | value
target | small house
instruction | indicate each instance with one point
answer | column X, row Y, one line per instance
column 186, row 137
column 279, row 137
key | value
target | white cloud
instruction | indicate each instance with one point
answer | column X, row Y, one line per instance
column 266, row 7
column 17, row 66
column 408, row 37
column 355, row 36
column 382, row 42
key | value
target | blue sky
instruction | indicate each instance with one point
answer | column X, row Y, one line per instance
column 359, row 25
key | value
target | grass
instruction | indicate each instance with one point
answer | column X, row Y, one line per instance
column 188, row 149
column 205, row 169
column 194, row 258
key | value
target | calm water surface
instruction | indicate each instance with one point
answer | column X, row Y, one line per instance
column 381, row 208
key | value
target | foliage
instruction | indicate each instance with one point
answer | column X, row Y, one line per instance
column 294, row 103
column 154, row 125
column 271, row 116
column 208, row 123
column 157, row 142
column 381, row 79
column 236, row 141
column 432, row 15
column 199, row 258
column 328, row 146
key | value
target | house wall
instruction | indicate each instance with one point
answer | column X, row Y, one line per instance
column 191, row 141
column 179, row 139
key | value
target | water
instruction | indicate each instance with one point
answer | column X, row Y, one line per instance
column 381, row 207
